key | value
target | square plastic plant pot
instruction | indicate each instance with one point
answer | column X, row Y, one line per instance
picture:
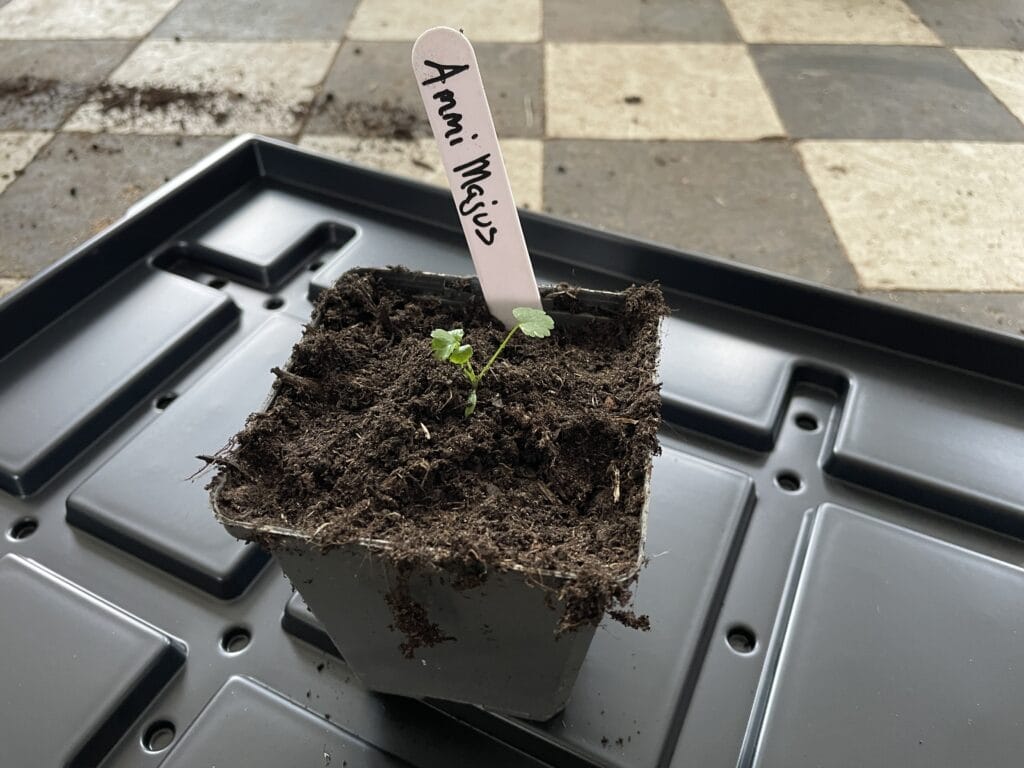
column 498, row 644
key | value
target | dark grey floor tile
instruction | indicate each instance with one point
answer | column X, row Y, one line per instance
column 257, row 20
column 78, row 185
column 370, row 91
column 41, row 81
column 645, row 21
column 1001, row 311
column 881, row 92
column 748, row 202
column 974, row 24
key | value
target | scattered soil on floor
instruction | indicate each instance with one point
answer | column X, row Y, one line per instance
column 25, row 86
column 132, row 100
column 366, row 119
column 26, row 100
column 357, row 118
column 150, row 98
column 366, row 438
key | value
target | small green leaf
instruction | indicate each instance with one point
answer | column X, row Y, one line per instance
column 461, row 355
column 534, row 322
column 443, row 343
column 470, row 403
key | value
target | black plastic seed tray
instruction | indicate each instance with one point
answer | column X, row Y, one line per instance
column 835, row 530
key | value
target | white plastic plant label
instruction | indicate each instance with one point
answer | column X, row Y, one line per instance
column 453, row 93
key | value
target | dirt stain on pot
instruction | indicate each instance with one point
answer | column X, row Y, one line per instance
column 366, row 439
column 410, row 618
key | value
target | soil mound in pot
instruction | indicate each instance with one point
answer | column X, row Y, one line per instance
column 366, row 438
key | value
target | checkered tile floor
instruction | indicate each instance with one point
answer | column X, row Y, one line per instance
column 872, row 145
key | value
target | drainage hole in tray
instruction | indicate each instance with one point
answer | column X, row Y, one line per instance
column 23, row 529
column 274, row 302
column 164, row 400
column 315, row 266
column 235, row 640
column 790, row 482
column 217, row 282
column 741, row 639
column 158, row 736
column 806, row 422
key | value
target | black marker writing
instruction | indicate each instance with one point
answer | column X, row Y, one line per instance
column 473, row 172
column 447, row 111
column 473, row 191
column 444, row 71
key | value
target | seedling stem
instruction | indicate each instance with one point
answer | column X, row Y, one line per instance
column 447, row 345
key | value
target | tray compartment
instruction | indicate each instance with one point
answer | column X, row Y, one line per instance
column 70, row 382
column 77, row 670
column 247, row 724
column 901, row 649
column 143, row 499
column 261, row 235
column 933, row 447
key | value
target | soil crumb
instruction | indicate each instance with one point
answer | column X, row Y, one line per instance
column 366, row 439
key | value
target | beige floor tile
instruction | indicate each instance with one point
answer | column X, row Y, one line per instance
column 80, row 19
column 481, row 20
column 16, row 151
column 1002, row 72
column 925, row 215
column 878, row 22
column 216, row 88
column 420, row 160
column 8, row 284
column 663, row 91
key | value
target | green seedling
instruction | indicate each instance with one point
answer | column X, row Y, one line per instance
column 447, row 345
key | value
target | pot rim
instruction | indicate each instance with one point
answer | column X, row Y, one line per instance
column 382, row 545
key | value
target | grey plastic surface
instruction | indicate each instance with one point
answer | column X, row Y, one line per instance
column 934, row 674
column 839, row 495
column 248, row 726
column 53, row 634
